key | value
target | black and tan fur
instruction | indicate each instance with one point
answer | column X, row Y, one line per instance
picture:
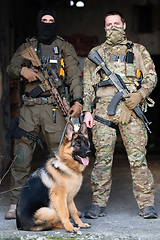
column 46, row 199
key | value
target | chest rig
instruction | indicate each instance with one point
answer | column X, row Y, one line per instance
column 122, row 60
column 52, row 59
column 119, row 60
column 113, row 80
column 122, row 54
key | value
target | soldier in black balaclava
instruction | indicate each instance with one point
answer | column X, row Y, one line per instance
column 36, row 114
column 46, row 32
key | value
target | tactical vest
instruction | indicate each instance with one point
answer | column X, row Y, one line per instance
column 126, row 61
column 51, row 57
column 121, row 60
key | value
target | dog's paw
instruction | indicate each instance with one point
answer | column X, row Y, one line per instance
column 85, row 225
column 74, row 230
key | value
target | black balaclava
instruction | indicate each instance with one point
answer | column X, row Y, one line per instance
column 46, row 31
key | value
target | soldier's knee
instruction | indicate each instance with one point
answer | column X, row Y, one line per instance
column 23, row 154
column 20, row 156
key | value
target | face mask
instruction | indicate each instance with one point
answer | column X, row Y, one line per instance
column 46, row 31
column 115, row 35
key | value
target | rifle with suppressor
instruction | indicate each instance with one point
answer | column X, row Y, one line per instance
column 47, row 83
column 116, row 80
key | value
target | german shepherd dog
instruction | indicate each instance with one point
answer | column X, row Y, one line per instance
column 46, row 199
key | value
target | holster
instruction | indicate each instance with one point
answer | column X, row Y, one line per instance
column 16, row 132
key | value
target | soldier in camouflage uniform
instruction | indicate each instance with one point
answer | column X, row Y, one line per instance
column 114, row 53
column 36, row 114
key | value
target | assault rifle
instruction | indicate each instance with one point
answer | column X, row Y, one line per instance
column 47, row 83
column 116, row 80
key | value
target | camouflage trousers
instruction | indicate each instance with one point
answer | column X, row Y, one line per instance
column 134, row 136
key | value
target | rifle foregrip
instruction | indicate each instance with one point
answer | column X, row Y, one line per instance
column 59, row 102
column 113, row 104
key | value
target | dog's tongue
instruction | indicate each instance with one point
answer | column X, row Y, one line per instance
column 85, row 161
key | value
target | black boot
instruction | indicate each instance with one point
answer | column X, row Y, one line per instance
column 148, row 212
column 95, row 212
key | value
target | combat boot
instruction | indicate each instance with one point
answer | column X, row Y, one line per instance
column 11, row 214
column 95, row 212
column 148, row 212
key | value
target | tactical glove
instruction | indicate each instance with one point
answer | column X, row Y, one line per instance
column 76, row 108
column 133, row 100
column 125, row 115
column 30, row 74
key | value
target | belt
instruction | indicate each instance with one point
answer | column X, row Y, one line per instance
column 28, row 101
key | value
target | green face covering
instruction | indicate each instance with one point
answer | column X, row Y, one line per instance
column 115, row 35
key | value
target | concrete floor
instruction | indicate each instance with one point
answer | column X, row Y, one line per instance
column 121, row 221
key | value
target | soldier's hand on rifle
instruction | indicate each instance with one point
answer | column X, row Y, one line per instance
column 30, row 74
column 76, row 108
column 133, row 100
column 125, row 115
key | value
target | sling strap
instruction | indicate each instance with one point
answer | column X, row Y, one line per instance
column 106, row 122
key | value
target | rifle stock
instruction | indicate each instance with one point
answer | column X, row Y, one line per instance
column 30, row 54
column 120, row 85
column 47, row 83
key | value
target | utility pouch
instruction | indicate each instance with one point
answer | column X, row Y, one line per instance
column 130, row 70
column 138, row 79
column 27, row 101
column 53, row 61
column 12, row 131
column 62, row 72
column 129, row 57
column 114, row 58
column 122, row 57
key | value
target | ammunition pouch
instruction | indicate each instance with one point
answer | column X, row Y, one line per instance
column 16, row 132
column 57, row 81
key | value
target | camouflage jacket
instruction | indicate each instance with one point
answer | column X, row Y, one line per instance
column 127, row 71
column 71, row 66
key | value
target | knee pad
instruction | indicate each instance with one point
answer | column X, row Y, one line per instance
column 23, row 150
column 20, row 157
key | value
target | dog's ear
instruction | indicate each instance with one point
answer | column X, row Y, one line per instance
column 83, row 130
column 69, row 131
